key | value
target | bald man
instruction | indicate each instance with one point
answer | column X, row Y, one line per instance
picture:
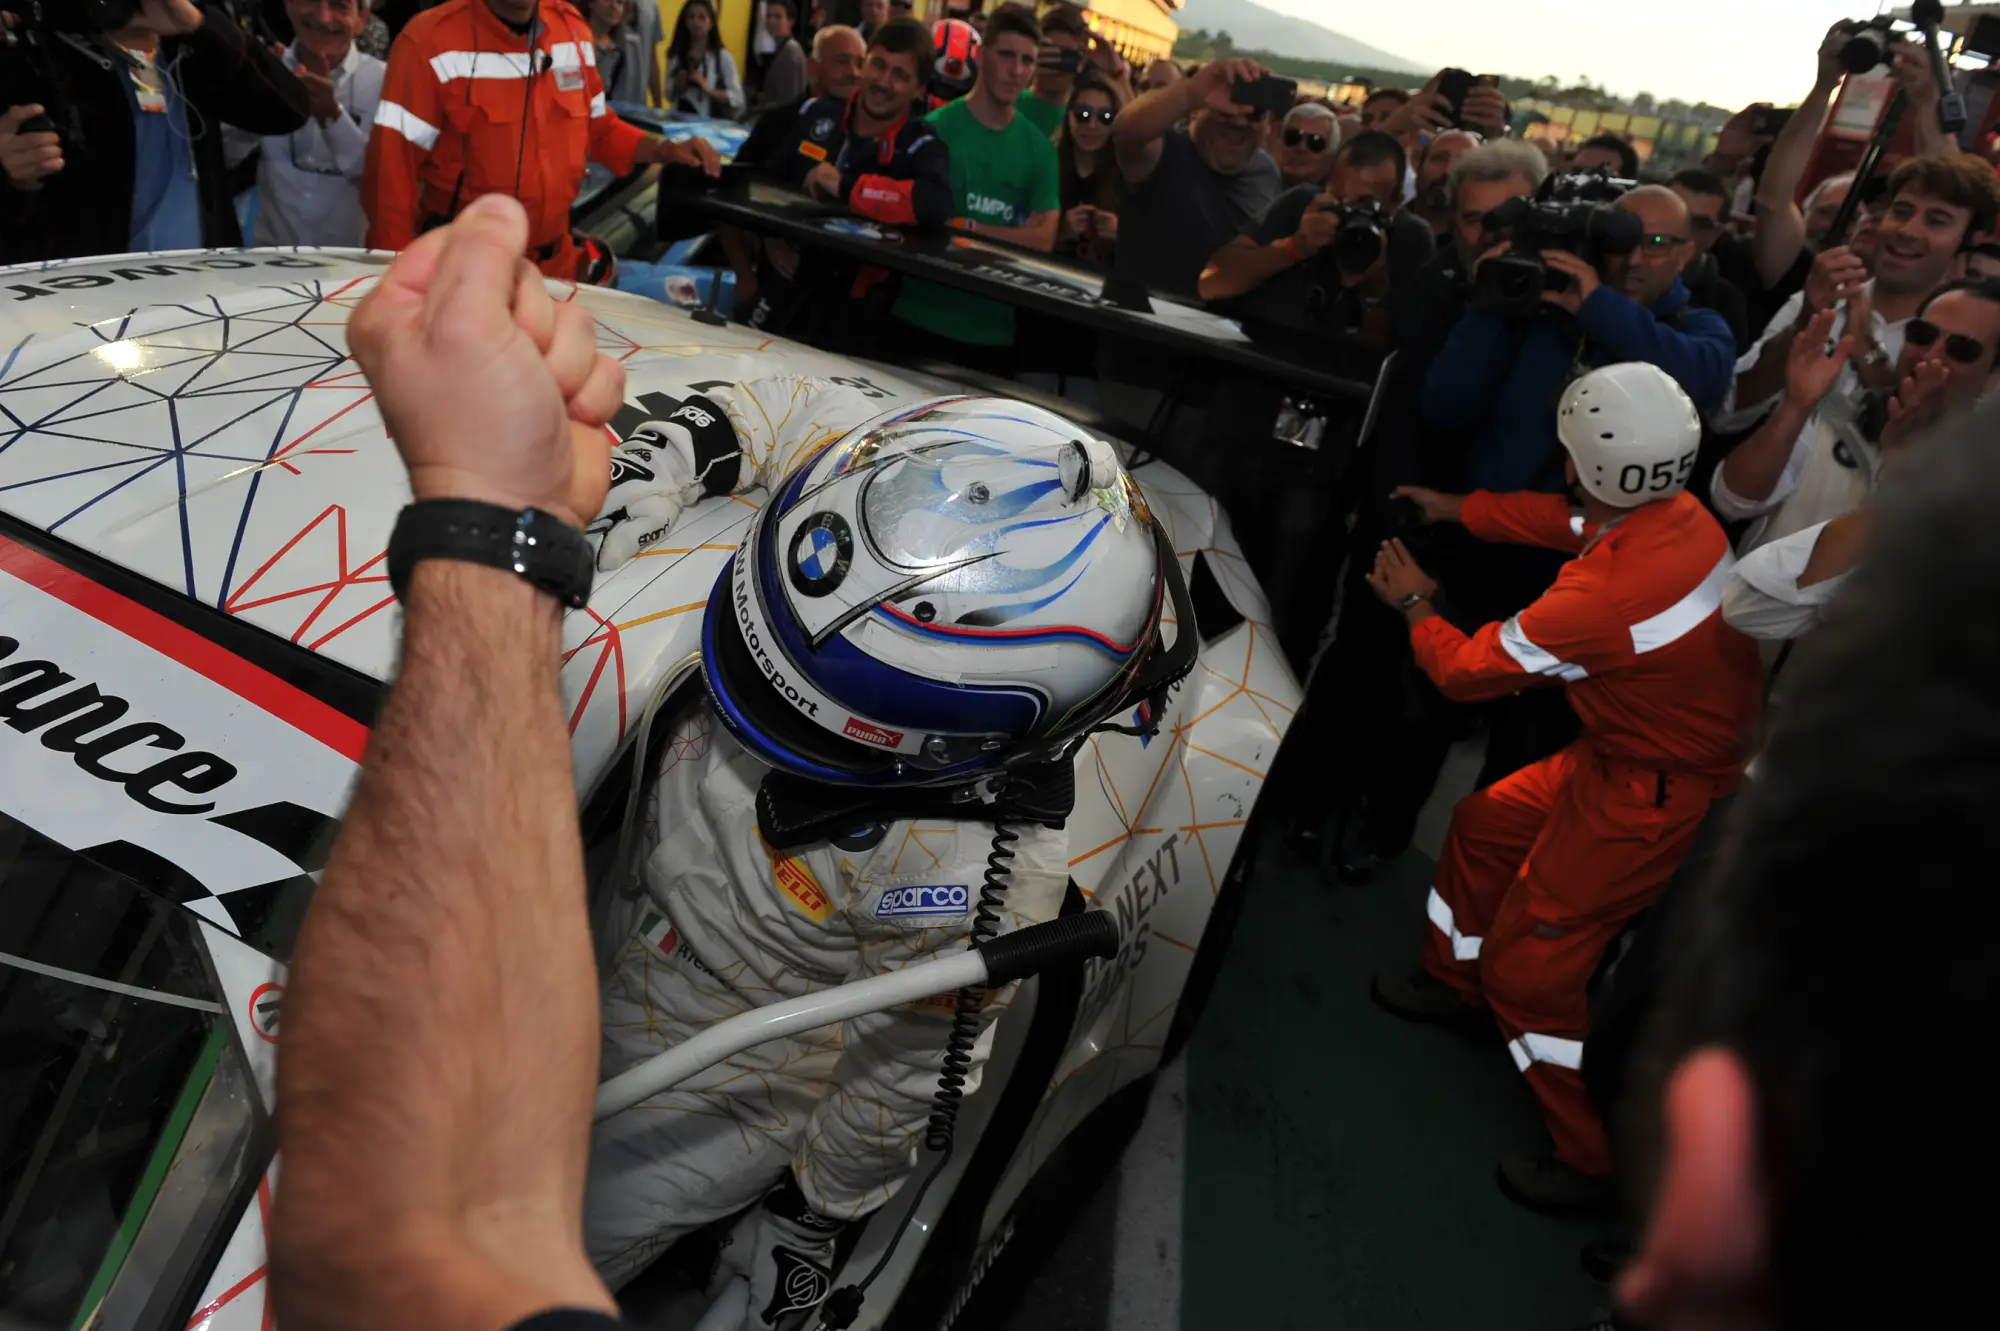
column 1666, row 246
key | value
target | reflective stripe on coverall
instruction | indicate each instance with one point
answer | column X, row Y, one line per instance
column 1541, row 871
column 450, row 125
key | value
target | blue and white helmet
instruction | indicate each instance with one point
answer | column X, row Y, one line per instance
column 946, row 590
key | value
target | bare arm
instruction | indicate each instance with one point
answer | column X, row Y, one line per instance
column 1244, row 265
column 1780, row 232
column 1838, row 548
column 1753, row 468
column 1037, row 233
column 1136, row 134
column 1766, row 375
column 440, row 1046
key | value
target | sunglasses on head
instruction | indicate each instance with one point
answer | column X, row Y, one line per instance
column 1961, row 347
column 1314, row 142
column 1104, row 115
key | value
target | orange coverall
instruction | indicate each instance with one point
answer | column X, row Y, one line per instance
column 450, row 125
column 1541, row 870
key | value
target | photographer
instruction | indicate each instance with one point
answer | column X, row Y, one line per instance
column 1189, row 191
column 1406, row 740
column 1503, row 377
column 1326, row 262
column 135, row 161
column 1607, row 152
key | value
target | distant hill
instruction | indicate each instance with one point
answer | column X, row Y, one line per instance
column 1255, row 28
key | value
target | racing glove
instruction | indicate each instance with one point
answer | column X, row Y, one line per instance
column 660, row 469
column 784, row 1249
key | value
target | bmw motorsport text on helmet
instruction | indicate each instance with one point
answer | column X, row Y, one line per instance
column 948, row 589
column 1632, row 432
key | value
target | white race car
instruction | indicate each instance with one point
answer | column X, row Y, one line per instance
column 195, row 627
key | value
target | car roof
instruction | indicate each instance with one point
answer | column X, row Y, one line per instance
column 194, row 419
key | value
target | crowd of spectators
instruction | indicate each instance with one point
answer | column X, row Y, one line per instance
column 1815, row 329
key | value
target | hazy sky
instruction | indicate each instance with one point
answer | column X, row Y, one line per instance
column 1729, row 52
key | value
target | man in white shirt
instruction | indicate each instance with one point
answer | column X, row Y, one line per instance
column 1811, row 460
column 309, row 181
column 1781, row 586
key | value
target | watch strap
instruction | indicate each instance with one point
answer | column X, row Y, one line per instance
column 1409, row 599
column 537, row 546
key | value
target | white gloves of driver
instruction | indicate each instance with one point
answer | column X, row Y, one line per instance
column 784, row 1249
column 652, row 480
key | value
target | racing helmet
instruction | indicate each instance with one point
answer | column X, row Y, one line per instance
column 948, row 590
column 1632, row 432
column 955, row 65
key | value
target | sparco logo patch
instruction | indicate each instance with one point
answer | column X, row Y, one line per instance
column 802, row 1283
column 856, row 728
column 927, row 899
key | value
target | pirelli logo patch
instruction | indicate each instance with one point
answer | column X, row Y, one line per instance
column 796, row 881
column 807, row 148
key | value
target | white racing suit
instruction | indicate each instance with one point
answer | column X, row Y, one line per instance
column 730, row 925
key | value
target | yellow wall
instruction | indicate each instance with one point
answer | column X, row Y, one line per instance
column 1136, row 27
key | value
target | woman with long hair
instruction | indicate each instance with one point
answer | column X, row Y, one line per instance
column 700, row 75
column 1089, row 171
column 621, row 60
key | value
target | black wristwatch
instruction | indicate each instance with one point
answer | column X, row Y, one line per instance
column 539, row 546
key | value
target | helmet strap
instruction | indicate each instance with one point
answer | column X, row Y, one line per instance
column 793, row 812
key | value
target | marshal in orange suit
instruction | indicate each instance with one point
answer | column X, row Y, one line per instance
column 498, row 97
column 1542, row 870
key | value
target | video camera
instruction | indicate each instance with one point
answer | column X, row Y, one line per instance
column 1572, row 213
column 1871, row 43
column 78, row 16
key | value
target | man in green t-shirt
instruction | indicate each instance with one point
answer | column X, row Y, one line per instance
column 1004, row 182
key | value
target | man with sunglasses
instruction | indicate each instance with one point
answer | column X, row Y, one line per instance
column 1946, row 363
column 1936, row 205
column 1306, row 144
column 1189, row 191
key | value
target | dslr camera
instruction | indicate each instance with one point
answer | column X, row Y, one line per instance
column 78, row 16
column 1572, row 213
column 1360, row 233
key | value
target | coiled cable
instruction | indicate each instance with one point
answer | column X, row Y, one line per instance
column 965, row 1019
column 940, row 1132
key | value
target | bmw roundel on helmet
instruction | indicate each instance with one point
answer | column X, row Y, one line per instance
column 948, row 589
column 1632, row 432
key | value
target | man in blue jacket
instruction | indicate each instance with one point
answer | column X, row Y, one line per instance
column 1508, row 375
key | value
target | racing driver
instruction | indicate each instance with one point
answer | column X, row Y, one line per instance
column 868, row 154
column 934, row 608
column 1541, row 870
